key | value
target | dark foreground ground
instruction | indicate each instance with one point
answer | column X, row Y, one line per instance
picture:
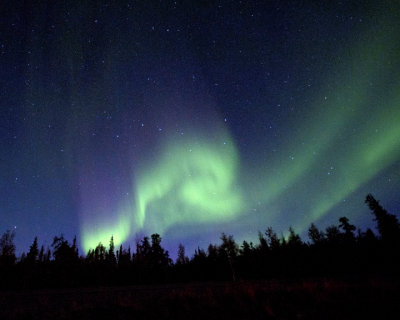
column 273, row 299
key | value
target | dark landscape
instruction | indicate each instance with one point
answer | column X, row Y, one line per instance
column 273, row 299
column 336, row 275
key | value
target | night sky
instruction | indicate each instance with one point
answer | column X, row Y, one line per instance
column 192, row 118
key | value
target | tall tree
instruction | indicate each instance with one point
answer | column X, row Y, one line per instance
column 229, row 250
column 181, row 259
column 316, row 236
column 47, row 256
column 158, row 256
column 75, row 248
column 228, row 246
column 41, row 254
column 100, row 253
column 63, row 252
column 247, row 248
column 33, row 252
column 272, row 237
column 347, row 228
column 7, row 248
column 388, row 224
column 263, row 245
column 294, row 240
column 199, row 257
column 111, row 254
column 124, row 256
column 333, row 235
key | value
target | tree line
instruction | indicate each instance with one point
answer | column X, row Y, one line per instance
column 339, row 250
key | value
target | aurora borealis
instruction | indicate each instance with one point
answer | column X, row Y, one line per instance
column 192, row 118
column 185, row 185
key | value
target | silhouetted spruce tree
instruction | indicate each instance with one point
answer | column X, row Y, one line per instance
column 199, row 265
column 97, row 255
column 263, row 244
column 273, row 240
column 369, row 237
column 41, row 254
column 124, row 256
column 316, row 236
column 158, row 256
column 32, row 255
column 229, row 250
column 142, row 265
column 22, row 258
column 47, row 257
column 388, row 224
column 63, row 253
column 111, row 259
column 75, row 249
column 199, row 256
column 181, row 259
column 294, row 240
column 212, row 253
column 100, row 253
column 283, row 241
column 90, row 256
column 143, row 249
column 347, row 228
column 7, row 249
column 247, row 249
column 228, row 246
column 250, row 260
column 333, row 235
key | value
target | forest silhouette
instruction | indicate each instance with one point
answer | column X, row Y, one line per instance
column 338, row 251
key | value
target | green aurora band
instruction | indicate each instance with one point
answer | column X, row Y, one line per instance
column 367, row 150
column 190, row 184
column 193, row 181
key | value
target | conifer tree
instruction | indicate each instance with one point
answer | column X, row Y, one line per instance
column 181, row 259
column 41, row 254
column 272, row 237
column 7, row 248
column 111, row 254
column 33, row 252
column 294, row 239
column 347, row 228
column 158, row 256
column 315, row 235
column 388, row 224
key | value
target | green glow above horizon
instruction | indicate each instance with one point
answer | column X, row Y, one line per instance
column 120, row 231
column 191, row 182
